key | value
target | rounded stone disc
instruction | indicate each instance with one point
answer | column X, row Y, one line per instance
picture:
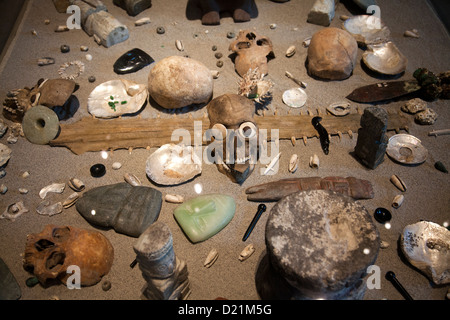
column 295, row 98
column 40, row 125
column 321, row 242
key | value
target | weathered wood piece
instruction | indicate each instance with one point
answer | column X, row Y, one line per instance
column 91, row 134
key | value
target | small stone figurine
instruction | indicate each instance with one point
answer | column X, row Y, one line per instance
column 166, row 275
column 372, row 140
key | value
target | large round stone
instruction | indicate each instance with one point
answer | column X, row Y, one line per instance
column 321, row 243
column 177, row 82
column 332, row 54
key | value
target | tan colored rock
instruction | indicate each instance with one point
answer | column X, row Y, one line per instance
column 177, row 82
column 332, row 54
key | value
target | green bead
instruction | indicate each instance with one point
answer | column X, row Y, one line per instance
column 31, row 282
column 40, row 125
column 204, row 216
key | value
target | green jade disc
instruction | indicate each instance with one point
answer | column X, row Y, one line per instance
column 204, row 216
column 40, row 125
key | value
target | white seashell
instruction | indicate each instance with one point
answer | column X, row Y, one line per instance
column 89, row 57
column 273, row 26
column 385, row 58
column 306, row 42
column 70, row 201
column 46, row 209
column 293, row 163
column 173, row 164
column 398, row 182
column 61, row 29
column 84, row 48
column 211, row 258
column 142, row 21
column 247, row 252
column 132, row 179
column 398, row 201
column 55, row 187
column 3, row 189
column 179, row 45
column 295, row 97
column 13, row 211
column 426, row 245
column 290, row 51
column 26, row 174
column 384, row 244
column 411, row 33
column 344, row 17
column 174, row 198
column 215, row 74
column 339, row 109
column 23, row 190
column 128, row 97
column 314, row 161
column 76, row 184
column 116, row 165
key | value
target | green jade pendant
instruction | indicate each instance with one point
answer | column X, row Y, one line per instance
column 204, row 216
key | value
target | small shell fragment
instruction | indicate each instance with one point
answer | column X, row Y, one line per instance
column 273, row 26
column 23, row 191
column 76, row 184
column 211, row 258
column 55, row 187
column 290, row 51
column 412, row 33
column 142, row 21
column 398, row 182
column 247, row 252
column 398, row 201
column 215, row 74
column 84, row 48
column 179, row 45
column 293, row 163
column 132, row 179
column 61, row 29
column 13, row 211
column 26, row 174
column 47, row 209
column 116, row 165
column 70, row 201
column 174, row 198
column 306, row 42
column 314, row 161
column 3, row 189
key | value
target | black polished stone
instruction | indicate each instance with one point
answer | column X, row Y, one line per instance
column 382, row 215
column 132, row 61
column 98, row 170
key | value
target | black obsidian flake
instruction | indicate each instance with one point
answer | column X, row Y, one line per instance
column 382, row 215
column 132, row 61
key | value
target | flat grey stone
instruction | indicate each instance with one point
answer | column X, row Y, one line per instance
column 9, row 288
column 128, row 209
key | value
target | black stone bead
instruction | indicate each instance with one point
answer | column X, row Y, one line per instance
column 132, row 61
column 382, row 215
column 98, row 170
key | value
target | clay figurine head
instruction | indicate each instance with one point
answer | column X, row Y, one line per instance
column 252, row 51
column 48, row 254
column 232, row 116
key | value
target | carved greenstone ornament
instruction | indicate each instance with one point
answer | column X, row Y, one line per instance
column 204, row 216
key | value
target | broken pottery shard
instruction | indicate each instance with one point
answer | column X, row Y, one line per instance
column 322, row 12
column 372, row 140
column 320, row 243
column 5, row 154
column 132, row 61
column 426, row 245
column 274, row 191
column 127, row 209
column 204, row 216
column 9, row 288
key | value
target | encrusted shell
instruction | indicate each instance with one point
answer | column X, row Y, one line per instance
column 314, row 161
column 132, row 179
column 13, row 211
column 247, row 252
column 174, row 198
column 290, row 51
column 293, row 163
column 398, row 182
column 339, row 109
column 76, row 185
column 211, row 258
column 398, row 201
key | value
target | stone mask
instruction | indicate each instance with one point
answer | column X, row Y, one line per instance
column 48, row 254
column 252, row 52
column 232, row 116
column 50, row 93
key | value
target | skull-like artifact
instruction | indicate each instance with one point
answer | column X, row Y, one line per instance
column 48, row 254
column 50, row 93
column 231, row 115
column 252, row 52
